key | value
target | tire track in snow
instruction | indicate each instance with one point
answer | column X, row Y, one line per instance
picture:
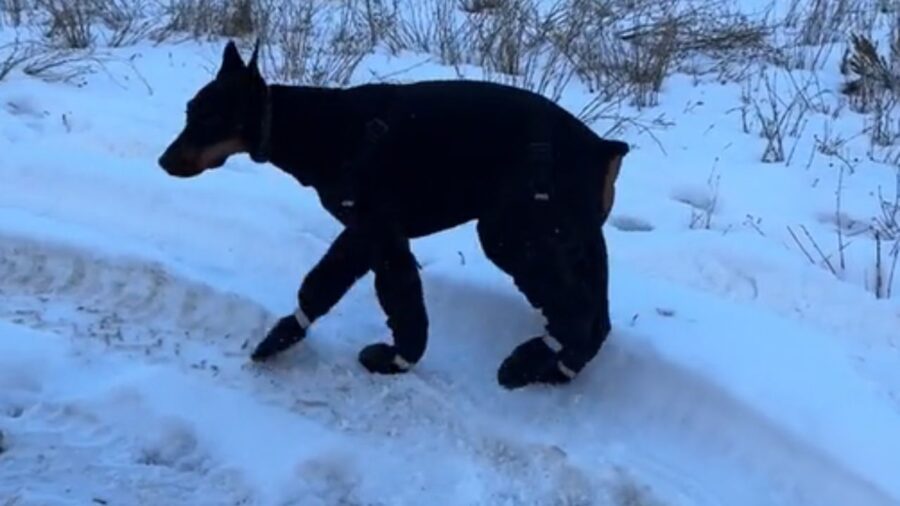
column 162, row 464
column 141, row 309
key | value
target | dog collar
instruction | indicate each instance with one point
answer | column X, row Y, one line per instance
column 261, row 153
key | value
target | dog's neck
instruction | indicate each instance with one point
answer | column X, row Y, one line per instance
column 304, row 129
column 260, row 152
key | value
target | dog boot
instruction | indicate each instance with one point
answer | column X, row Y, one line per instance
column 382, row 358
column 531, row 362
column 286, row 333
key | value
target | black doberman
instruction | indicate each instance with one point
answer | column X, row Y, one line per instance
column 394, row 162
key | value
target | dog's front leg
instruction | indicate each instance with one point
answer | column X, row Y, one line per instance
column 347, row 259
column 399, row 290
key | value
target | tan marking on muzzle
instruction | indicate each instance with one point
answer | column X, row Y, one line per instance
column 609, row 185
column 211, row 155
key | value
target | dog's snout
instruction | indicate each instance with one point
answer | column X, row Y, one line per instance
column 165, row 161
column 173, row 162
column 174, row 159
column 168, row 158
column 178, row 161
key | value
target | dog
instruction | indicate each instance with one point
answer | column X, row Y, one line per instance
column 394, row 162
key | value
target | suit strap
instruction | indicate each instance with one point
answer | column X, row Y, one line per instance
column 540, row 158
column 375, row 130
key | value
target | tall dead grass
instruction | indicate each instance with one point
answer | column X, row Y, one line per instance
column 618, row 48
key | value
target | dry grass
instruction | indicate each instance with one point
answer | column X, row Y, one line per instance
column 870, row 72
column 14, row 12
column 12, row 55
column 621, row 49
column 312, row 43
column 814, row 29
column 873, row 88
column 886, row 229
column 776, row 105
column 228, row 18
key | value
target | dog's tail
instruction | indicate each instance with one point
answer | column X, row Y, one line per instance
column 611, row 153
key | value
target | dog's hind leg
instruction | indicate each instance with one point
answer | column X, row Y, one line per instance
column 347, row 259
column 399, row 291
column 592, row 271
column 563, row 272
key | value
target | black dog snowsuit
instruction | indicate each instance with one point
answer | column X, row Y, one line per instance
column 395, row 162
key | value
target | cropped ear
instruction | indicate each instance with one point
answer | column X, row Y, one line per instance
column 231, row 60
column 253, row 64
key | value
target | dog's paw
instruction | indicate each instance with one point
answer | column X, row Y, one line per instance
column 530, row 363
column 286, row 333
column 382, row 358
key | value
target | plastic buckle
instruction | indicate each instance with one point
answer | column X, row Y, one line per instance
column 541, row 157
column 375, row 128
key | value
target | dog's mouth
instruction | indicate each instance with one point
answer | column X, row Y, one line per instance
column 190, row 163
column 180, row 167
column 215, row 163
column 186, row 171
column 215, row 156
column 191, row 168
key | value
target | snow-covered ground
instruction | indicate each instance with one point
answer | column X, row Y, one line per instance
column 736, row 373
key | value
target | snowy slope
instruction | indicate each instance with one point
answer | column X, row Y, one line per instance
column 736, row 374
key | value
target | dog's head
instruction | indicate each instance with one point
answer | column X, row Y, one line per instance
column 224, row 118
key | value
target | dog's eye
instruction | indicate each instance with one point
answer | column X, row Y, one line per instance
column 202, row 117
column 195, row 112
column 210, row 119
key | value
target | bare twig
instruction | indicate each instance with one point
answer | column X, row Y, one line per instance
column 800, row 244
column 839, row 221
column 895, row 253
column 879, row 275
column 15, row 56
column 818, row 249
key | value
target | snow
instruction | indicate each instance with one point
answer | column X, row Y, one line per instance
column 736, row 374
